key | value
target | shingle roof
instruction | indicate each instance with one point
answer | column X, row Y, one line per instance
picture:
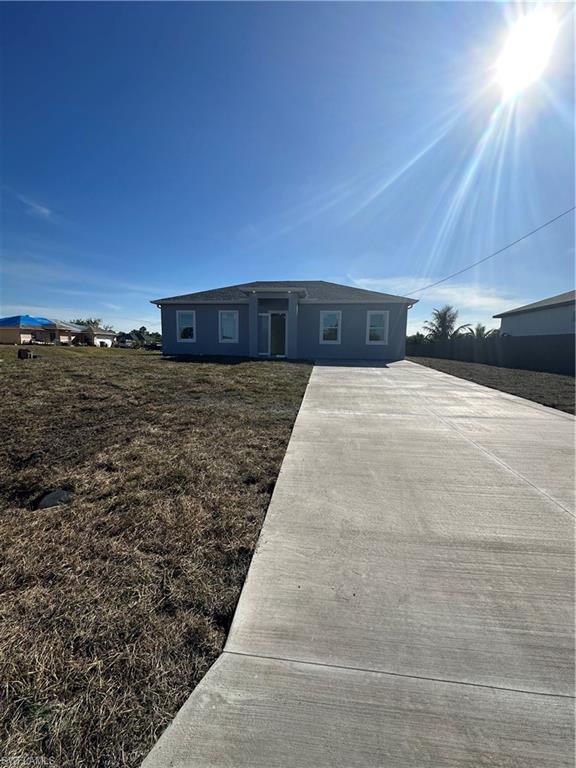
column 63, row 325
column 554, row 301
column 97, row 331
column 315, row 290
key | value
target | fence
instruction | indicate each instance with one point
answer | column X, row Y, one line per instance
column 554, row 354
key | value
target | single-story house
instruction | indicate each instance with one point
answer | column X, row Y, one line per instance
column 18, row 329
column 307, row 319
column 68, row 331
column 27, row 329
column 553, row 316
column 95, row 336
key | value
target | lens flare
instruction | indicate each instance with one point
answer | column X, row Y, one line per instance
column 526, row 52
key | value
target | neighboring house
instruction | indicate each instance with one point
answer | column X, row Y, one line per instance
column 553, row 316
column 27, row 329
column 68, row 331
column 138, row 338
column 126, row 340
column 19, row 329
column 309, row 319
column 96, row 336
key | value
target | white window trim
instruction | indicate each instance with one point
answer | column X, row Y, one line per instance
column 330, row 312
column 368, row 316
column 185, row 312
column 236, row 339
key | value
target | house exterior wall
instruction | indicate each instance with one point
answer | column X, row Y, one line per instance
column 45, row 336
column 206, row 330
column 98, row 341
column 14, row 336
column 272, row 305
column 19, row 336
column 303, row 332
column 542, row 322
column 353, row 332
column 92, row 339
column 67, row 337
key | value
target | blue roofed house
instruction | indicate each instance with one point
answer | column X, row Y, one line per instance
column 306, row 319
column 26, row 329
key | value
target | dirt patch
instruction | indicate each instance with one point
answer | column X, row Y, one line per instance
column 114, row 605
column 549, row 389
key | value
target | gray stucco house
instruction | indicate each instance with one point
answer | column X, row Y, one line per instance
column 553, row 316
column 306, row 319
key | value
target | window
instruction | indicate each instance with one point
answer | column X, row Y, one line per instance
column 377, row 327
column 228, row 326
column 186, row 326
column 330, row 322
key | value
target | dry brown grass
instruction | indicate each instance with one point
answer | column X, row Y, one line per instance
column 114, row 606
column 549, row 389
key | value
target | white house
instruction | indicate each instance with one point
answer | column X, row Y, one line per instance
column 96, row 336
column 549, row 317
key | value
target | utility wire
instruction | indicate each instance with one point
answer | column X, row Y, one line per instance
column 491, row 255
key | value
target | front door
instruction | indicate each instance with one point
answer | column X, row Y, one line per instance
column 278, row 334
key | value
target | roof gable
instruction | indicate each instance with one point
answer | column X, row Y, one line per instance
column 310, row 290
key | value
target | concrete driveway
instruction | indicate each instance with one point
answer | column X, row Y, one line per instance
column 411, row 600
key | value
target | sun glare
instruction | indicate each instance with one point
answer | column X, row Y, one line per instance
column 526, row 52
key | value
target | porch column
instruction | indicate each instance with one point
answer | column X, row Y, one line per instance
column 292, row 351
column 253, row 325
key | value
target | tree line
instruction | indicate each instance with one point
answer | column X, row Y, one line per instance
column 140, row 336
column 92, row 322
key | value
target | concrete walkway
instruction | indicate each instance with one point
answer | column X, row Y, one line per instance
column 411, row 600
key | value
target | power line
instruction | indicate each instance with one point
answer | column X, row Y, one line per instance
column 491, row 255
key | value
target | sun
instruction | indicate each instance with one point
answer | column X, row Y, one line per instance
column 526, row 52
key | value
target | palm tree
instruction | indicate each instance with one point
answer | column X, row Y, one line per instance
column 480, row 333
column 443, row 324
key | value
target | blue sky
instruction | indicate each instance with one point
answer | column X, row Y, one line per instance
column 153, row 149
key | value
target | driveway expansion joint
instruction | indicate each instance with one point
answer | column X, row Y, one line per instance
column 388, row 673
column 499, row 461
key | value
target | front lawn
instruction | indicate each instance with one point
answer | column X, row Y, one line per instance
column 113, row 606
column 549, row 389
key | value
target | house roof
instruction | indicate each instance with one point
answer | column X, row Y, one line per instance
column 62, row 324
column 25, row 321
column 554, row 301
column 30, row 321
column 97, row 331
column 309, row 290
